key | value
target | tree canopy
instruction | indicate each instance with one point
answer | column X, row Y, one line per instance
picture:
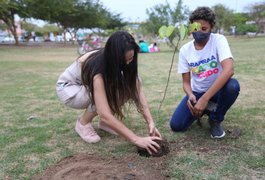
column 223, row 17
column 8, row 10
column 164, row 14
column 257, row 13
column 67, row 14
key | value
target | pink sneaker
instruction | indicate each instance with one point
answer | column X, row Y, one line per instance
column 103, row 126
column 87, row 132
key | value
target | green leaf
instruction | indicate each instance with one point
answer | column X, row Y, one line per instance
column 165, row 31
column 195, row 27
column 183, row 31
column 170, row 30
column 162, row 32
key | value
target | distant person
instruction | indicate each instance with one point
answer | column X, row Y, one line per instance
column 100, row 82
column 233, row 29
column 26, row 36
column 80, row 37
column 33, row 35
column 96, row 43
column 51, row 37
column 206, row 65
column 153, row 47
column 143, row 46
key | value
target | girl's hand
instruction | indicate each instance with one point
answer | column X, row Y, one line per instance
column 153, row 131
column 148, row 143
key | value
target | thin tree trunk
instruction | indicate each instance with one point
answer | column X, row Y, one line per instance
column 10, row 22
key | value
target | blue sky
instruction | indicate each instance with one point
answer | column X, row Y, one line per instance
column 134, row 10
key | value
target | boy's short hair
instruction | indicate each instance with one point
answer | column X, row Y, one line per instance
column 203, row 13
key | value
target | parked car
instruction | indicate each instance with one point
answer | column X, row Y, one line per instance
column 39, row 39
column 5, row 39
column 2, row 38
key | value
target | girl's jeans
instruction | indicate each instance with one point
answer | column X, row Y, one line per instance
column 224, row 98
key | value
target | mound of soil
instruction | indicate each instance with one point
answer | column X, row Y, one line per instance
column 164, row 149
column 84, row 167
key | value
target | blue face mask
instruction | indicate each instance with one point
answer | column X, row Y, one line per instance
column 200, row 37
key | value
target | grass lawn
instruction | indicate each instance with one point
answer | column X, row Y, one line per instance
column 36, row 130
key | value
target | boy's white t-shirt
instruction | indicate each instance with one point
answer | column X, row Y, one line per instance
column 205, row 64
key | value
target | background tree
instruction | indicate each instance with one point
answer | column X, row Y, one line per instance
column 159, row 14
column 180, row 13
column 70, row 15
column 95, row 15
column 114, row 21
column 3, row 26
column 257, row 13
column 223, row 18
column 28, row 26
column 8, row 10
column 240, row 21
column 166, row 15
column 61, row 13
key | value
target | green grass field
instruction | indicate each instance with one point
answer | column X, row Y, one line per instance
column 36, row 130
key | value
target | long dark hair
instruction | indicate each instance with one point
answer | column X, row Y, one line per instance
column 120, row 79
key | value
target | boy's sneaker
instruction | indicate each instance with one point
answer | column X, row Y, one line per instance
column 217, row 131
column 87, row 132
column 103, row 126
